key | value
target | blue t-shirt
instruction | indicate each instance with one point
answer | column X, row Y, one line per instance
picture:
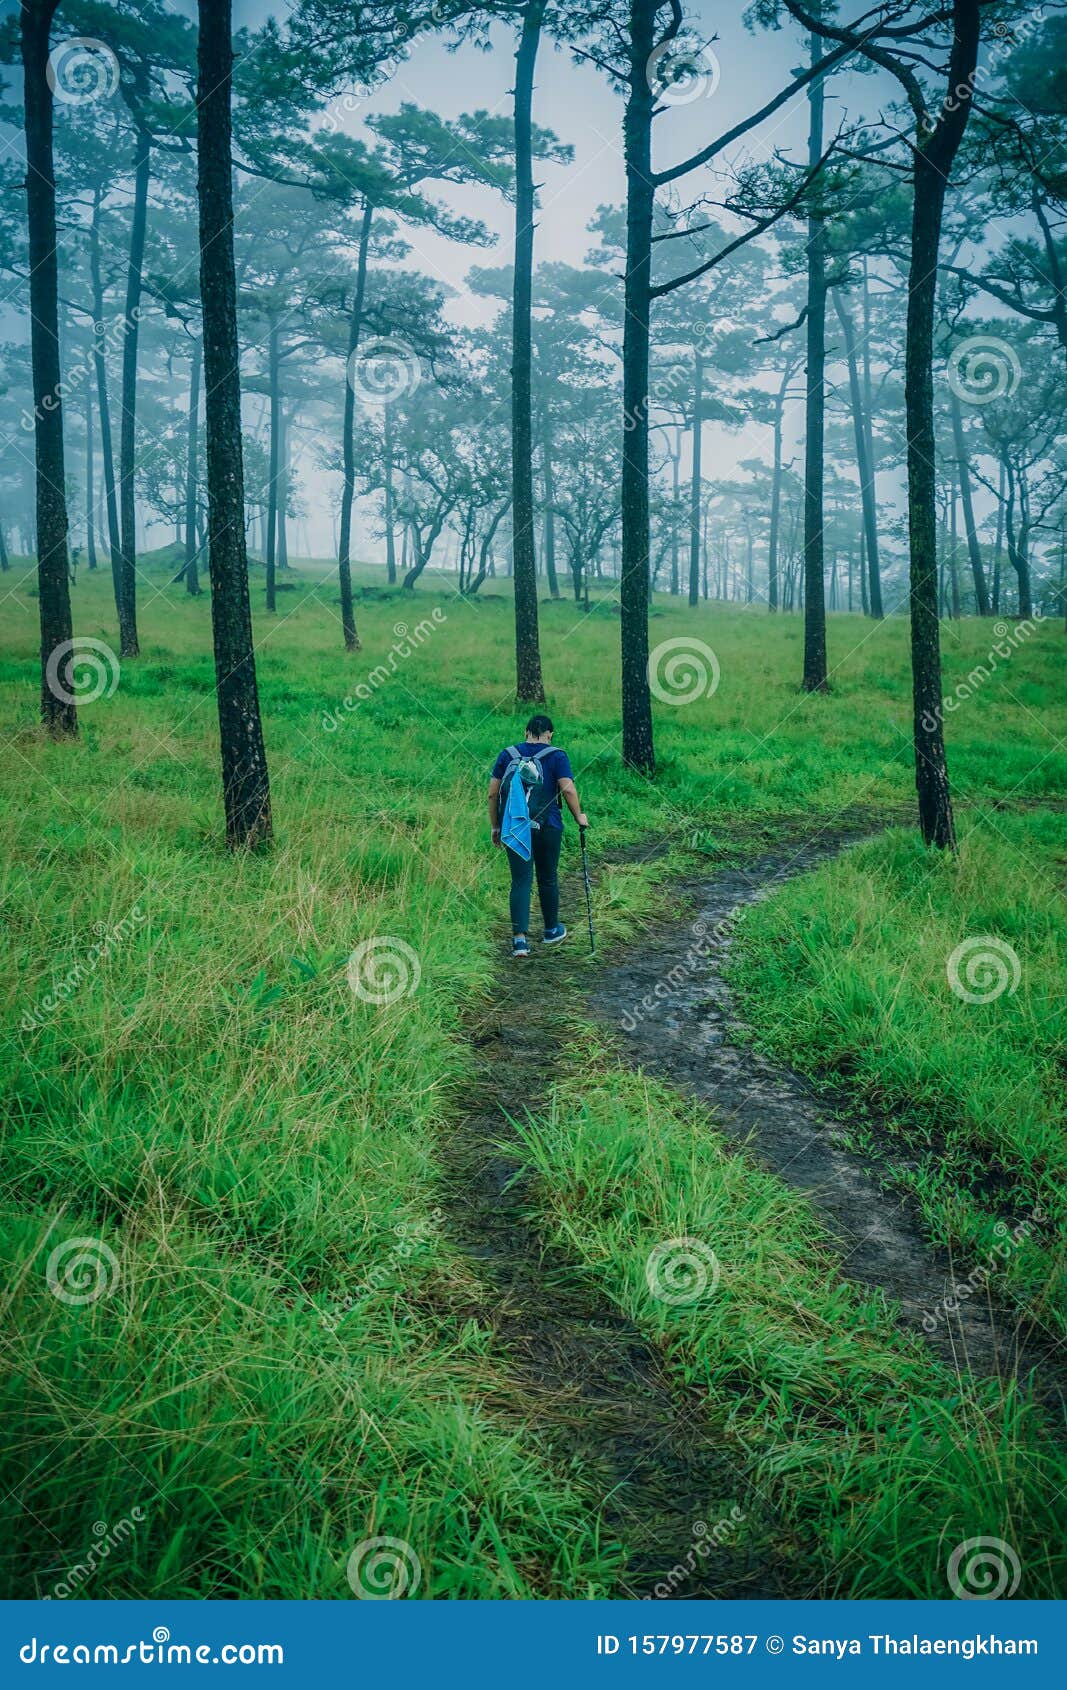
column 555, row 767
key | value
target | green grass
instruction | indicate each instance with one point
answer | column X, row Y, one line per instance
column 279, row 1373
column 877, row 1461
column 847, row 971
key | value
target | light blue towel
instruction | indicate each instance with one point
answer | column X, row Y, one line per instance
column 515, row 830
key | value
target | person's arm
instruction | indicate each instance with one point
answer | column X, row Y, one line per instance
column 494, row 810
column 570, row 798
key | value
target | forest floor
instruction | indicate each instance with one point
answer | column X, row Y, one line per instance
column 569, row 1285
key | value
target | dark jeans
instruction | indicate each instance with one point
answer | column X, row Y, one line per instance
column 545, row 862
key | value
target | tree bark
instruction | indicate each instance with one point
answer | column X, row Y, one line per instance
column 637, row 742
column 974, row 550
column 390, row 538
column 863, row 462
column 245, row 783
column 550, row 500
column 934, row 152
column 776, row 497
column 695, row 489
column 128, row 428
column 103, row 409
column 274, row 386
column 529, row 682
column 348, row 448
column 814, row 679
column 58, row 712
column 192, row 572
column 90, row 490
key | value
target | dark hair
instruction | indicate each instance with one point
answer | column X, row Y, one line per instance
column 538, row 725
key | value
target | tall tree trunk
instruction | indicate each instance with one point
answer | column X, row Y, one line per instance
column 954, row 562
column 103, row 410
column 637, row 743
column 128, row 429
column 548, row 474
column 274, row 386
column 245, row 784
column 998, row 549
column 776, row 498
column 695, row 489
column 90, row 490
column 529, row 683
column 58, row 712
column 5, row 561
column 348, row 447
column 675, row 471
column 934, row 154
column 192, row 572
column 873, row 580
column 863, row 462
column 815, row 407
column 974, row 550
column 390, row 538
column 281, row 524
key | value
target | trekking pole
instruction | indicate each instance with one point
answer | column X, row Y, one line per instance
column 588, row 889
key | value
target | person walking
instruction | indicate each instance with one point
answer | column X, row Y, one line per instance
column 529, row 786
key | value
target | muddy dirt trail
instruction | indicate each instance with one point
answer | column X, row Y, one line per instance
column 583, row 1375
column 669, row 1003
column 595, row 1389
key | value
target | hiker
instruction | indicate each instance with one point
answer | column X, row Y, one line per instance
column 526, row 817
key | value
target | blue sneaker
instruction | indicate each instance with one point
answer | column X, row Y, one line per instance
column 519, row 946
column 555, row 935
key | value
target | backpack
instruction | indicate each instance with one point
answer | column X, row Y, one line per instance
column 530, row 773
